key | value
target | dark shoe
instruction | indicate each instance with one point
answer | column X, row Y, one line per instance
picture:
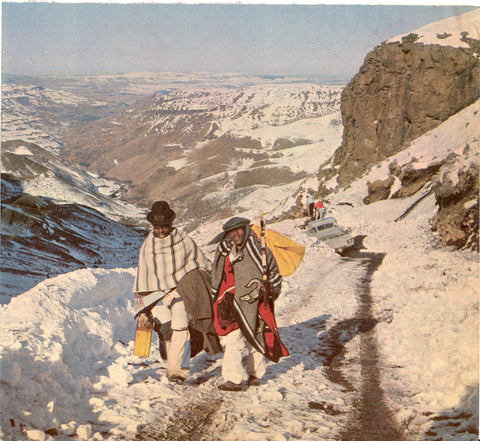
column 253, row 381
column 176, row 379
column 230, row 386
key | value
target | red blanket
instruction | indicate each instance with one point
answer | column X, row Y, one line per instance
column 228, row 317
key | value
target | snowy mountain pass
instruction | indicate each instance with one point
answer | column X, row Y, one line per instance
column 380, row 338
column 69, row 345
column 380, row 342
column 68, row 368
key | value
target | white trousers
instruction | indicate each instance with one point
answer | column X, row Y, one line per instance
column 172, row 309
column 235, row 347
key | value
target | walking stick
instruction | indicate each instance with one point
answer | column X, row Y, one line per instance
column 263, row 245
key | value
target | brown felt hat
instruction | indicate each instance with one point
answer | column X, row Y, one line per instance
column 161, row 214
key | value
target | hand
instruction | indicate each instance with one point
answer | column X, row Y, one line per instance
column 266, row 289
column 144, row 319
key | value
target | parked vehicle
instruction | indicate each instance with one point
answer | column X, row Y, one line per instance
column 328, row 231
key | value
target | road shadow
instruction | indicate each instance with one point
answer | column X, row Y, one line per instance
column 371, row 419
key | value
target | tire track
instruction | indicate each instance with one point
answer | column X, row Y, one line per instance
column 191, row 422
column 371, row 419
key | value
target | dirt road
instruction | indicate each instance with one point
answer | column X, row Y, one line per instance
column 205, row 413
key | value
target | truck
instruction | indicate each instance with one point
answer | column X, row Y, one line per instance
column 328, row 231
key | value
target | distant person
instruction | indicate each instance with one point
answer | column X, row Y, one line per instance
column 320, row 210
column 170, row 259
column 240, row 296
column 310, row 204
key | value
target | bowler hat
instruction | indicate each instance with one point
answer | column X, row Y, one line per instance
column 161, row 214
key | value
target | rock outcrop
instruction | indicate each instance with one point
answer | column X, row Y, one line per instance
column 457, row 217
column 402, row 91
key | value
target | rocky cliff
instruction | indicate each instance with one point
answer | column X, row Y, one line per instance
column 402, row 91
column 406, row 88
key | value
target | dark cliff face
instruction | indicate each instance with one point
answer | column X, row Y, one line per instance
column 402, row 91
column 458, row 213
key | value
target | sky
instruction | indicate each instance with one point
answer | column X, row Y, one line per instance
column 257, row 39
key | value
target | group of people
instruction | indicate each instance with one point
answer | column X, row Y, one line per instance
column 225, row 305
column 315, row 209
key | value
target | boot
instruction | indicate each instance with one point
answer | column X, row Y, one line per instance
column 253, row 381
column 230, row 386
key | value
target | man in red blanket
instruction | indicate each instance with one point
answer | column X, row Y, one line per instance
column 243, row 306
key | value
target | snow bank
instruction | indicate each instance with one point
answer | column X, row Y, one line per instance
column 448, row 32
column 56, row 340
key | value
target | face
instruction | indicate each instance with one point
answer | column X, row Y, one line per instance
column 162, row 231
column 237, row 235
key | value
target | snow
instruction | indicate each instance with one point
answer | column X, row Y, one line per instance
column 245, row 109
column 320, row 133
column 60, row 191
column 18, row 120
column 67, row 184
column 22, row 150
column 448, row 32
column 178, row 163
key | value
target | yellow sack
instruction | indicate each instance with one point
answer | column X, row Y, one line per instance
column 288, row 253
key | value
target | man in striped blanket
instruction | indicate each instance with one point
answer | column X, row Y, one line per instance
column 244, row 314
column 166, row 256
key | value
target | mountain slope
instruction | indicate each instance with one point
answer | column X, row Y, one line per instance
column 41, row 239
column 57, row 218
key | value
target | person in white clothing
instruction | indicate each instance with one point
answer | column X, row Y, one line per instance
column 309, row 203
column 166, row 257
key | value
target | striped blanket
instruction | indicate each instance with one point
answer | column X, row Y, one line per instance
column 163, row 262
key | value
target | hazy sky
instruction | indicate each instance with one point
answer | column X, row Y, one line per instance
column 89, row 38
